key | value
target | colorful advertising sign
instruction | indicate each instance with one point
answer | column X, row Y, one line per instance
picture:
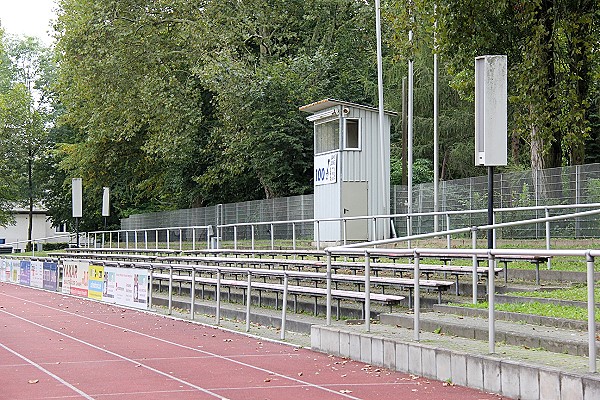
column 50, row 280
column 108, row 293
column 95, row 282
column 131, row 287
column 4, row 270
column 70, row 268
column 15, row 270
column 37, row 274
column 25, row 272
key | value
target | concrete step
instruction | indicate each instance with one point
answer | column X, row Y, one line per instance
column 558, row 340
column 514, row 317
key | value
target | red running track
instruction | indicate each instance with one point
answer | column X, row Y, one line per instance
column 61, row 347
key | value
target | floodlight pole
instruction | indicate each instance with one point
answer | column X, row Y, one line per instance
column 436, row 156
column 490, row 215
column 384, row 197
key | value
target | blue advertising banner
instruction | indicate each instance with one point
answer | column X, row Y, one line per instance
column 50, row 276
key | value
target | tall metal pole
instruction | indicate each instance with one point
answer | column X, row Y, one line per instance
column 410, row 139
column 384, row 185
column 436, row 161
column 490, row 236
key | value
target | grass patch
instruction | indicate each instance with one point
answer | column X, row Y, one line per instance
column 543, row 309
column 576, row 293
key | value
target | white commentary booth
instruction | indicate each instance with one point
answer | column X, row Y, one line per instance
column 350, row 178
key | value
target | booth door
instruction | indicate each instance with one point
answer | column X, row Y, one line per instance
column 354, row 204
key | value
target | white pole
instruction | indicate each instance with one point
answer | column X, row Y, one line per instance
column 491, row 306
column 591, row 314
column 284, row 306
column 436, row 157
column 384, row 184
column 367, row 292
column 417, row 300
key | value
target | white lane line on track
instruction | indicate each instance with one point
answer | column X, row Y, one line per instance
column 273, row 373
column 44, row 370
column 201, row 389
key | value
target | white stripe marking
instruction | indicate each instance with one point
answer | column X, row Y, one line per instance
column 201, row 389
column 44, row 370
column 273, row 373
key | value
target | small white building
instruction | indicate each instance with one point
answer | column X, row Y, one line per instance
column 352, row 170
column 15, row 235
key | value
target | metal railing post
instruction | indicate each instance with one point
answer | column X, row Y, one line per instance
column 168, row 239
column 146, row 239
column 248, row 299
column 150, row 282
column 328, row 280
column 252, row 233
column 193, row 238
column 367, row 292
column 475, row 263
column 180, row 239
column 374, row 229
column 491, row 303
column 318, row 235
column 448, row 238
column 193, row 294
column 547, row 214
column 417, row 299
column 135, row 241
column 272, row 237
column 284, row 305
column 294, row 235
column 170, row 291
column 591, row 303
column 235, row 237
column 218, row 295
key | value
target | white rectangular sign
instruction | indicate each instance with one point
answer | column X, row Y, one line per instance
column 77, row 192
column 325, row 169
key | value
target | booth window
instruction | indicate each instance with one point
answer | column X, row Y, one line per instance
column 327, row 136
column 352, row 133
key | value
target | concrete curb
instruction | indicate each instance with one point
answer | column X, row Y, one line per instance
column 515, row 379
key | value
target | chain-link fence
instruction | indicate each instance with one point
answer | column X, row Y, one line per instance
column 557, row 186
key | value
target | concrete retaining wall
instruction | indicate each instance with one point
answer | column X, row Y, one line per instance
column 513, row 379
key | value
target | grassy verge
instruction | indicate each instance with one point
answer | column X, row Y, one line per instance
column 576, row 293
column 536, row 308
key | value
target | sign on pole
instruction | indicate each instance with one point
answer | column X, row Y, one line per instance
column 77, row 196
column 106, row 202
column 491, row 110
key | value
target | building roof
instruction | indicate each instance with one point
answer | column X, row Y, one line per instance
column 328, row 103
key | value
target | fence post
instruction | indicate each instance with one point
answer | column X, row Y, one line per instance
column 151, row 275
column 272, row 237
column 252, row 226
